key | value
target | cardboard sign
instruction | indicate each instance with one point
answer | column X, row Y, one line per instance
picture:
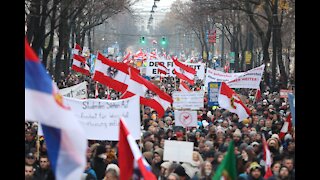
column 213, row 93
column 179, row 151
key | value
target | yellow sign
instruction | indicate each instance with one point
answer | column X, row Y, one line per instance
column 248, row 57
column 204, row 55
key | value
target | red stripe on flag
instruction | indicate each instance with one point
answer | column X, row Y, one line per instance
column 79, row 58
column 108, row 81
column 81, row 70
column 125, row 154
column 183, row 66
column 183, row 77
column 29, row 54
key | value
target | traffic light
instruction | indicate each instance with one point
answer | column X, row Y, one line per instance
column 142, row 40
column 163, row 40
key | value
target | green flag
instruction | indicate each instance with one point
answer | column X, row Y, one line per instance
column 227, row 168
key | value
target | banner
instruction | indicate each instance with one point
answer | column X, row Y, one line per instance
column 179, row 151
column 185, row 118
column 152, row 67
column 250, row 79
column 100, row 118
column 213, row 93
column 78, row 91
column 219, row 76
column 188, row 100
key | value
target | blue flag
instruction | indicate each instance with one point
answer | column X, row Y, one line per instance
column 292, row 104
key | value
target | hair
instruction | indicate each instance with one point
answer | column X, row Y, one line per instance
column 175, row 175
column 202, row 169
column 113, row 173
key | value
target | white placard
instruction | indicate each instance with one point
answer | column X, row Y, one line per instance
column 248, row 79
column 180, row 151
column 188, row 100
column 78, row 91
column 152, row 67
column 185, row 118
column 100, row 118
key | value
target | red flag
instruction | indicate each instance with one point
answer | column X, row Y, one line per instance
column 267, row 158
column 183, row 71
column 286, row 127
column 79, row 64
column 126, row 58
column 150, row 94
column 111, row 74
column 128, row 151
column 184, row 87
column 258, row 95
column 162, row 69
column 229, row 100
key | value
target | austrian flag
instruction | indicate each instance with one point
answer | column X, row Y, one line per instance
column 162, row 69
column 79, row 64
column 229, row 100
column 184, row 72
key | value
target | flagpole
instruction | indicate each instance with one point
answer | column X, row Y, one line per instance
column 38, row 147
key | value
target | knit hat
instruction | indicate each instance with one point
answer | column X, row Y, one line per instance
column 276, row 136
column 100, row 150
column 254, row 166
column 237, row 132
column 146, row 134
column 115, row 167
column 180, row 171
column 179, row 134
column 166, row 164
column 287, row 137
column 243, row 146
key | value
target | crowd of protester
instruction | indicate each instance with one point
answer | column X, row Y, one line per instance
column 216, row 128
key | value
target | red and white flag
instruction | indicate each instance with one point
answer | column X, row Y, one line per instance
column 162, row 69
column 267, row 158
column 286, row 127
column 184, row 72
column 258, row 95
column 227, row 67
column 79, row 64
column 229, row 100
column 112, row 74
column 126, row 59
column 150, row 94
column 129, row 153
column 76, row 49
column 153, row 55
column 184, row 87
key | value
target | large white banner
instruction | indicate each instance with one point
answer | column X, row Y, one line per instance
column 188, row 100
column 78, row 91
column 100, row 118
column 152, row 67
column 180, row 151
column 185, row 118
column 248, row 79
column 219, row 76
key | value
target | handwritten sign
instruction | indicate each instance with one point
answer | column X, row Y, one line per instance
column 180, row 151
column 100, row 118
column 78, row 91
column 185, row 118
column 188, row 100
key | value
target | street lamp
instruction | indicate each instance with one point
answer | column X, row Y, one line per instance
column 152, row 11
column 154, row 5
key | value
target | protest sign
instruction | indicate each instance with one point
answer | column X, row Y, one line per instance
column 100, row 118
column 180, row 151
column 250, row 79
column 185, row 118
column 213, row 93
column 78, row 91
column 188, row 100
column 152, row 68
column 219, row 76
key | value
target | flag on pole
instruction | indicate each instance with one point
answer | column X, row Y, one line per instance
column 227, row 169
column 184, row 87
column 65, row 137
column 258, row 95
column 126, row 59
column 77, row 49
column 267, row 158
column 112, row 74
column 79, row 64
column 286, row 127
column 184, row 72
column 129, row 154
column 150, row 94
column 229, row 100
